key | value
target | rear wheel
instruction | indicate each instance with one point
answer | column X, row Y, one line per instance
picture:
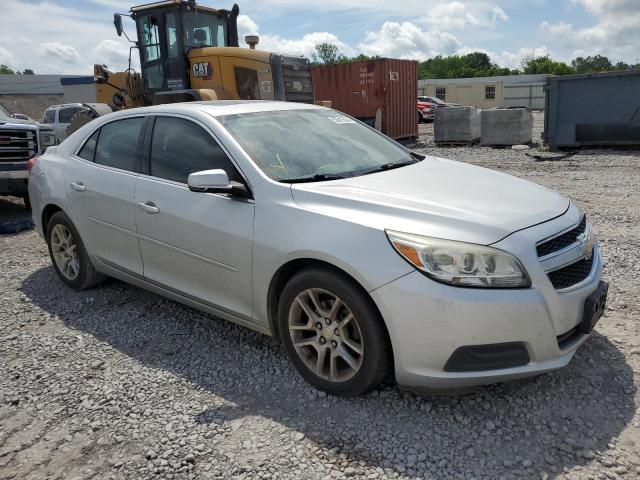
column 332, row 333
column 68, row 254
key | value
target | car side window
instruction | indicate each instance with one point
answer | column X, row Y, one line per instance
column 180, row 147
column 88, row 150
column 49, row 116
column 117, row 143
column 66, row 114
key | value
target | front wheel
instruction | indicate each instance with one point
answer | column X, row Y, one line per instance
column 333, row 334
column 68, row 254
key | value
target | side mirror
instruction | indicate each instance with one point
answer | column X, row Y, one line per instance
column 117, row 21
column 215, row 181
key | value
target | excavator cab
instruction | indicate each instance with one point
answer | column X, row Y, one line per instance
column 168, row 30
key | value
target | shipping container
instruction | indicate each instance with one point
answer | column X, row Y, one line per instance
column 592, row 109
column 379, row 92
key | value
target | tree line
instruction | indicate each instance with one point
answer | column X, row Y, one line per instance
column 479, row 64
column 5, row 70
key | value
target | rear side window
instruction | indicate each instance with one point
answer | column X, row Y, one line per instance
column 88, row 151
column 117, row 144
column 180, row 147
column 66, row 114
column 49, row 116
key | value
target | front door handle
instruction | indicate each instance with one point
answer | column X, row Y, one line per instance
column 78, row 186
column 149, row 207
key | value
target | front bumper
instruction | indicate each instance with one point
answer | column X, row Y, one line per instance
column 428, row 321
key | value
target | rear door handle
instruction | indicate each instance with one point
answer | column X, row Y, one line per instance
column 149, row 207
column 78, row 186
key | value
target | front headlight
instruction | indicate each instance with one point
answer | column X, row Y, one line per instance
column 459, row 263
column 47, row 139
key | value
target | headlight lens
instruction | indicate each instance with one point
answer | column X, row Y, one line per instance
column 48, row 139
column 460, row 263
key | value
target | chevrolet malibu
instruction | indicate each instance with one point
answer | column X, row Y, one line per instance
column 370, row 262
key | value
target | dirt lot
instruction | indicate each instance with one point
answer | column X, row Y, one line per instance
column 116, row 382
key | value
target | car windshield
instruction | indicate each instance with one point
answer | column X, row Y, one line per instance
column 313, row 144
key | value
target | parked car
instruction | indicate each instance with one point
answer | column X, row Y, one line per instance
column 426, row 111
column 59, row 116
column 20, row 140
column 368, row 261
column 436, row 101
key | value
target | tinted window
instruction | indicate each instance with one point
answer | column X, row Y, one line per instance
column 180, row 147
column 117, row 143
column 49, row 116
column 247, row 83
column 66, row 114
column 88, row 151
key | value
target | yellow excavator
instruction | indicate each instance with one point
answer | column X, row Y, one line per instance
column 190, row 52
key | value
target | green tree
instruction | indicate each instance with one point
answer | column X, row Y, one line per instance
column 591, row 64
column 28, row 71
column 475, row 64
column 545, row 64
column 5, row 70
column 326, row 53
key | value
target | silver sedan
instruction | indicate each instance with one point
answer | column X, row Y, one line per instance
column 370, row 262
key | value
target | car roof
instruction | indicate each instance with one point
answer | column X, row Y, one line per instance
column 217, row 108
column 64, row 105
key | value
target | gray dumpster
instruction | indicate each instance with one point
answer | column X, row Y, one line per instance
column 593, row 109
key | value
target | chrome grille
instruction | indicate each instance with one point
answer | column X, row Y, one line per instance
column 572, row 274
column 17, row 145
column 562, row 241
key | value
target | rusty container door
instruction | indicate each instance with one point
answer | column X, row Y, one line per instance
column 353, row 88
column 400, row 118
column 381, row 93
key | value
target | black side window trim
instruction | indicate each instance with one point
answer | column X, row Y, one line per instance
column 139, row 146
column 93, row 157
column 146, row 157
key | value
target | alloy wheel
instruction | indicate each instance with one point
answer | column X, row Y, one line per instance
column 326, row 335
column 65, row 252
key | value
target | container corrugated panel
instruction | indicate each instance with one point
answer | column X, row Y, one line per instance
column 362, row 89
column 528, row 95
column 593, row 109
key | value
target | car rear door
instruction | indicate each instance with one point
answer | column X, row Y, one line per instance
column 199, row 245
column 100, row 181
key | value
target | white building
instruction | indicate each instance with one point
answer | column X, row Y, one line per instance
column 488, row 92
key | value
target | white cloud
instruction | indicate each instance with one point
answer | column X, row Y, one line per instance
column 615, row 33
column 498, row 15
column 6, row 57
column 407, row 40
column 59, row 50
column 246, row 26
column 304, row 45
column 112, row 52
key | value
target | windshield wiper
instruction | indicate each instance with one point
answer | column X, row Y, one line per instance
column 319, row 177
column 391, row 166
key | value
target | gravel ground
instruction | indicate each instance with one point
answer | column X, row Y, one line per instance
column 116, row 382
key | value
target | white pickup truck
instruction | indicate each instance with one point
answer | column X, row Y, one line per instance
column 20, row 140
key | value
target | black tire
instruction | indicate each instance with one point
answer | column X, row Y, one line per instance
column 87, row 276
column 377, row 360
column 420, row 117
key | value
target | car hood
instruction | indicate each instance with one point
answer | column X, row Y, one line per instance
column 18, row 122
column 436, row 197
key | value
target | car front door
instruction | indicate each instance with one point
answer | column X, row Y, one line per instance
column 199, row 245
column 101, row 182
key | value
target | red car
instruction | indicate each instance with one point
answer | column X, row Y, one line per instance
column 426, row 111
